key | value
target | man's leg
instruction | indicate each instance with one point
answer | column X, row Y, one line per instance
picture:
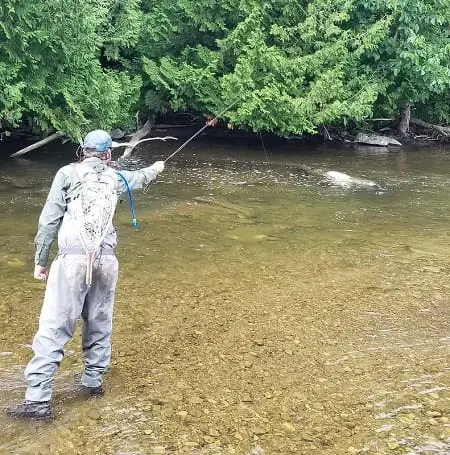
column 97, row 322
column 63, row 301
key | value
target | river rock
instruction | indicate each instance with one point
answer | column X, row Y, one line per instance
column 117, row 133
column 93, row 414
column 16, row 263
column 288, row 427
column 256, row 451
column 375, row 139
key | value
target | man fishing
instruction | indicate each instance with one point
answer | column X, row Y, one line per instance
column 82, row 279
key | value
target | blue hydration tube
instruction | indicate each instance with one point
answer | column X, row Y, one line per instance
column 130, row 197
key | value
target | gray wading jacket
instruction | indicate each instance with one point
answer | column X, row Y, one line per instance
column 54, row 216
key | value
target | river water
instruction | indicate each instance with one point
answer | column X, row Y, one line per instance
column 259, row 310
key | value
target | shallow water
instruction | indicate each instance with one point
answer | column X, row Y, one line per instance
column 259, row 310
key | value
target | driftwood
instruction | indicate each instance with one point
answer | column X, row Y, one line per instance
column 445, row 130
column 38, row 144
column 137, row 136
column 325, row 134
column 130, row 146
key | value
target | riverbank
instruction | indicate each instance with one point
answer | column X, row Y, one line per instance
column 418, row 137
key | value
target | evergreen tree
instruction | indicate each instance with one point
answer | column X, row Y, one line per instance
column 293, row 65
column 55, row 64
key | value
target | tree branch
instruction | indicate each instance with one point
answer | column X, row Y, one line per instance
column 139, row 134
column 38, row 144
column 445, row 130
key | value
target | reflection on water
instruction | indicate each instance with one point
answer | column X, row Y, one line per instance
column 259, row 310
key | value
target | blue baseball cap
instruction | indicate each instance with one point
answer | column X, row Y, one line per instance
column 99, row 140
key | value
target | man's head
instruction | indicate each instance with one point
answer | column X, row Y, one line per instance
column 98, row 143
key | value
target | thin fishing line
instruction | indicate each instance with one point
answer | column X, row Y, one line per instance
column 265, row 151
column 264, row 148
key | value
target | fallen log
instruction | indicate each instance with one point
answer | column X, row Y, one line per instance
column 445, row 130
column 38, row 144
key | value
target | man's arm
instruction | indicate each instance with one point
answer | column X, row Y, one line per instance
column 142, row 177
column 50, row 219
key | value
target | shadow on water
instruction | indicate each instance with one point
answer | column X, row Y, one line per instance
column 259, row 310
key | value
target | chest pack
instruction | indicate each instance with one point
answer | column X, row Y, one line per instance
column 93, row 201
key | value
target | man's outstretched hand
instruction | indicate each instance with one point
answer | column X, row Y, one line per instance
column 158, row 166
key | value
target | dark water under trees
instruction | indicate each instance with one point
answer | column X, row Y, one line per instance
column 259, row 310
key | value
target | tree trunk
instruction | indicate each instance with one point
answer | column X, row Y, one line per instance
column 325, row 134
column 404, row 122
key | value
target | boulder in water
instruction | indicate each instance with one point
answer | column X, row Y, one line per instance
column 375, row 139
column 347, row 181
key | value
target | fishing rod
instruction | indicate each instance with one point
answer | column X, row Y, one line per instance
column 181, row 147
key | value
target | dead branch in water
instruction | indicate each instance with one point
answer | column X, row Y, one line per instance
column 137, row 136
column 445, row 130
column 38, row 144
column 131, row 146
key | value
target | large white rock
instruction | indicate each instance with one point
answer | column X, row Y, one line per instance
column 347, row 181
column 375, row 139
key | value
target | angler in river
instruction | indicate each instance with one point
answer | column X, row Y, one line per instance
column 82, row 279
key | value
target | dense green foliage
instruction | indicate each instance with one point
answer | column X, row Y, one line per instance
column 52, row 68
column 293, row 65
column 414, row 56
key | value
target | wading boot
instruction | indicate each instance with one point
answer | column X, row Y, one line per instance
column 95, row 392
column 31, row 410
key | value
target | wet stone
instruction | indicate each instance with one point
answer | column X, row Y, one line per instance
column 289, row 427
column 16, row 263
column 392, row 445
column 167, row 412
column 213, row 432
column 175, row 398
column 195, row 412
column 93, row 414
column 194, row 400
column 258, row 431
column 307, row 437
